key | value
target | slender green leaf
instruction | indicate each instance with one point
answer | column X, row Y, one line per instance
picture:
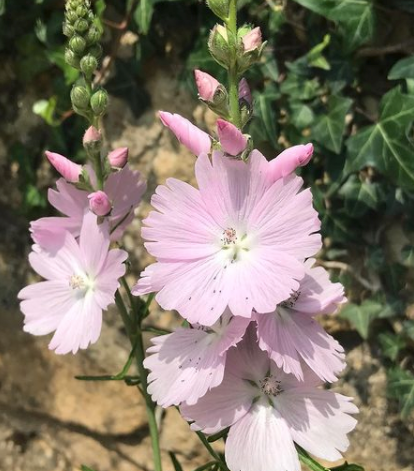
column 175, row 462
column 86, row 468
column 143, row 15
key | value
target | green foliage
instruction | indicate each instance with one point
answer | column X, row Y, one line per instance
column 361, row 316
column 401, row 387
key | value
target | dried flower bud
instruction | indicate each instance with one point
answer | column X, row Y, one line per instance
column 232, row 140
column 79, row 96
column 68, row 169
column 99, row 102
column 99, row 203
column 118, row 158
column 77, row 44
column 88, row 65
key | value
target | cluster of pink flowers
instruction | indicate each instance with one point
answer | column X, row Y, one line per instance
column 72, row 252
column 235, row 258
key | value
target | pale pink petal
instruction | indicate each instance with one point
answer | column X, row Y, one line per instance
column 289, row 160
column 261, row 441
column 44, row 230
column 68, row 200
column 220, row 407
column 318, row 295
column 94, row 243
column 183, row 366
column 318, row 420
column 44, row 304
column 291, row 336
column 196, row 140
column 232, row 140
column 68, row 169
column 80, row 327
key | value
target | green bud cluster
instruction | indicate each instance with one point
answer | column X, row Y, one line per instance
column 83, row 52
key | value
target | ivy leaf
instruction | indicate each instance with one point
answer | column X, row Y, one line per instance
column 301, row 115
column 46, row 109
column 265, row 112
column 391, row 344
column 329, row 129
column 300, row 88
column 361, row 316
column 361, row 196
column 403, row 69
column 385, row 145
column 401, row 387
column 408, row 329
column 356, row 18
column 143, row 15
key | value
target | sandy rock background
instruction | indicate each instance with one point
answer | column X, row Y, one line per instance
column 49, row 421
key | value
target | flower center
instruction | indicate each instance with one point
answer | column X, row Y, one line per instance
column 81, row 283
column 233, row 245
column 270, row 386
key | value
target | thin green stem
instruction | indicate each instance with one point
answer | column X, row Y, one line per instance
column 233, row 78
column 211, row 450
column 135, row 336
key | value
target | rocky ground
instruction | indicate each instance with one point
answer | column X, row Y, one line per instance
column 49, row 421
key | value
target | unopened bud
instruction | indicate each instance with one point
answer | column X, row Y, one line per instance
column 219, row 46
column 244, row 92
column 219, row 7
column 81, row 11
column 206, row 85
column 95, row 51
column 68, row 169
column 88, row 65
column 93, row 35
column 68, row 29
column 232, row 140
column 289, row 160
column 118, row 158
column 252, row 40
column 72, row 59
column 71, row 16
column 81, row 25
column 80, row 97
column 92, row 139
column 99, row 203
column 99, row 102
column 77, row 44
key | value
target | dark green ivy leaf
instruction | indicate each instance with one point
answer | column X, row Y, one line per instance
column 402, row 69
column 385, row 145
column 391, row 344
column 328, row 129
column 401, row 387
column 360, row 316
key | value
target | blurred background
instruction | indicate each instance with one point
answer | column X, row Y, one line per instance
column 337, row 73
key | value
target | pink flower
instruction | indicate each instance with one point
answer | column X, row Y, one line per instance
column 184, row 365
column 124, row 188
column 196, row 140
column 118, row 158
column 237, row 241
column 244, row 91
column 206, row 85
column 68, row 169
column 232, row 141
column 81, row 280
column 290, row 159
column 252, row 40
column 99, row 203
column 91, row 135
column 291, row 336
column 268, row 411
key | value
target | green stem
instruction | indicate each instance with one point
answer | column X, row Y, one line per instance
column 135, row 336
column 233, row 78
column 212, row 451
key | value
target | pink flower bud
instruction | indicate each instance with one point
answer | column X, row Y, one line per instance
column 91, row 135
column 99, row 203
column 244, row 91
column 68, row 169
column 290, row 159
column 196, row 140
column 206, row 85
column 252, row 40
column 118, row 157
column 231, row 138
